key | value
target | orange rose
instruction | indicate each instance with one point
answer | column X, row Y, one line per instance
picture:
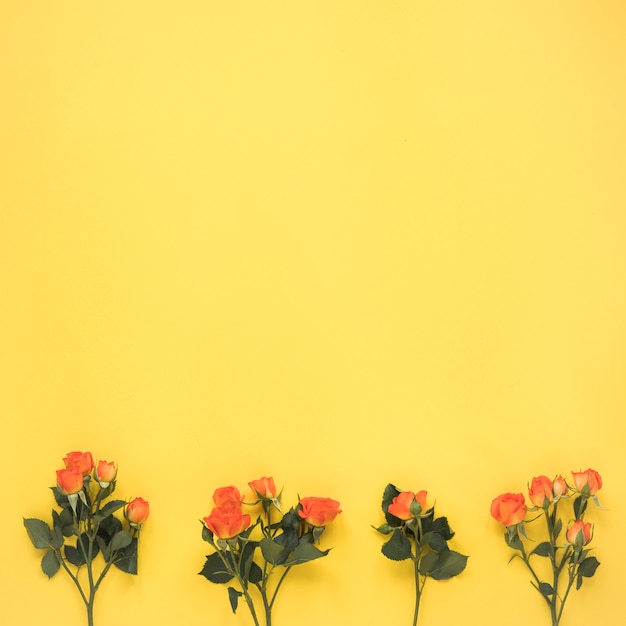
column 402, row 504
column 227, row 521
column 509, row 508
column 264, row 487
column 318, row 511
column 541, row 491
column 105, row 473
column 82, row 461
column 137, row 511
column 559, row 488
column 588, row 481
column 579, row 533
column 69, row 481
column 225, row 496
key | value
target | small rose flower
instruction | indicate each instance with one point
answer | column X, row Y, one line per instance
column 82, row 461
column 541, row 491
column 105, row 473
column 509, row 508
column 579, row 533
column 225, row 496
column 264, row 487
column 587, row 482
column 559, row 488
column 69, row 481
column 137, row 511
column 403, row 506
column 318, row 511
column 227, row 521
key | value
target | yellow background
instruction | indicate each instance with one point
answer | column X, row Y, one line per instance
column 343, row 243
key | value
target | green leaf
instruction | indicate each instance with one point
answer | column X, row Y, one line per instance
column 437, row 542
column 442, row 527
column 543, row 549
column 50, row 563
column 109, row 508
column 304, row 553
column 126, row 558
column 449, row 564
column 272, row 552
column 39, row 533
column 120, row 540
column 398, row 548
column 83, row 546
column 233, row 596
column 74, row 556
column 428, row 562
column 256, row 574
column 588, row 567
column 214, row 570
column 580, row 504
column 546, row 590
column 388, row 495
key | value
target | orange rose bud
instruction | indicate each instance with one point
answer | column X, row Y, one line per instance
column 541, row 491
column 587, row 482
column 227, row 496
column 137, row 511
column 227, row 521
column 579, row 533
column 69, row 481
column 105, row 473
column 81, row 461
column 318, row 511
column 403, row 505
column 264, row 487
column 509, row 508
column 559, row 488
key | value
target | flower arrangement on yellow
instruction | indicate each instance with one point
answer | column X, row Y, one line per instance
column 569, row 558
column 282, row 541
column 86, row 527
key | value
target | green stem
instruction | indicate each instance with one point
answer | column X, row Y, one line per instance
column 418, row 591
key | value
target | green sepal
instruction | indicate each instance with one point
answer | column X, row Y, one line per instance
column 39, row 533
column 512, row 539
column 126, row 558
column 50, row 563
column 233, row 596
column 304, row 553
column 398, row 548
column 207, row 535
column 558, row 527
column 543, row 549
column 449, row 564
column 546, row 590
column 214, row 570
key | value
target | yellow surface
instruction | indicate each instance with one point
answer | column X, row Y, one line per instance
column 342, row 243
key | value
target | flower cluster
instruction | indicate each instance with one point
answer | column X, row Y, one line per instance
column 417, row 535
column 87, row 527
column 510, row 509
column 279, row 544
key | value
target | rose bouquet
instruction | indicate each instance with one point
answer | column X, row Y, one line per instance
column 250, row 553
column 566, row 555
column 417, row 535
column 86, row 527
